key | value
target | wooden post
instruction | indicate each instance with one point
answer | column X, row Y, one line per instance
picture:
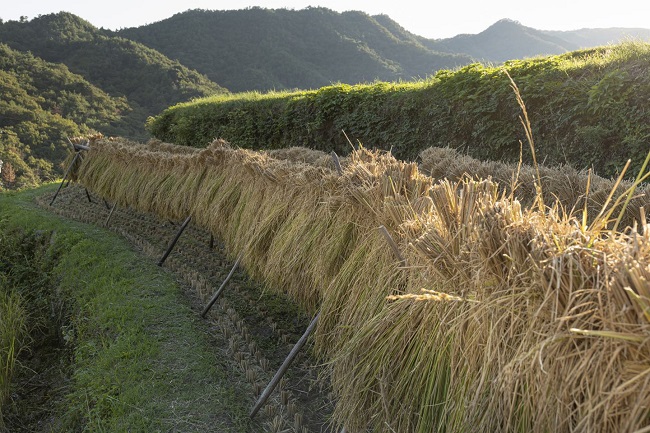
column 283, row 368
column 337, row 163
column 64, row 177
column 88, row 196
column 223, row 285
column 392, row 245
column 173, row 242
column 211, row 241
column 110, row 214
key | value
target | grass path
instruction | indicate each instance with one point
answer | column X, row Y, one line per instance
column 143, row 362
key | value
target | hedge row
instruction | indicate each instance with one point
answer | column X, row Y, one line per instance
column 587, row 108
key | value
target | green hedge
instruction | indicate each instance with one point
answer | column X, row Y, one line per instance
column 588, row 108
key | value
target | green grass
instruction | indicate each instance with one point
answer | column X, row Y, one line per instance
column 12, row 330
column 141, row 359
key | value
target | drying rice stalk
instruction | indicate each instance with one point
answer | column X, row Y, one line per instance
column 530, row 319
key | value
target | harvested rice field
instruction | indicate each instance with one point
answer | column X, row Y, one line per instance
column 445, row 303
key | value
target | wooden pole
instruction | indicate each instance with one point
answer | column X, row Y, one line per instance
column 283, row 368
column 221, row 288
column 64, row 177
column 173, row 242
column 392, row 245
column 110, row 214
column 88, row 196
column 337, row 163
column 211, row 241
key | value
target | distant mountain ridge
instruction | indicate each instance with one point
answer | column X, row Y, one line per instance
column 504, row 40
column 508, row 40
column 586, row 38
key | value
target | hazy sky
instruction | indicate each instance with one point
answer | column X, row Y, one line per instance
column 429, row 18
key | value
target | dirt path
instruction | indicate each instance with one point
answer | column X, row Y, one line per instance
column 255, row 328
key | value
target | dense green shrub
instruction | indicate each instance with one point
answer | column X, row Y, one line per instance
column 588, row 108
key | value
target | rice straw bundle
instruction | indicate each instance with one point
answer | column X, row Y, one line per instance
column 529, row 320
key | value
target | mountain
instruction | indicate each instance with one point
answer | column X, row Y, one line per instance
column 263, row 49
column 504, row 40
column 509, row 40
column 147, row 79
column 43, row 103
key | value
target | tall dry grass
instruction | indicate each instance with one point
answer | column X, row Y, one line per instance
column 565, row 186
column 502, row 318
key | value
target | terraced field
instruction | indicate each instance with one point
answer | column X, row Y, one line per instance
column 251, row 327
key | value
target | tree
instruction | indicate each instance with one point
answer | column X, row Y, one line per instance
column 8, row 175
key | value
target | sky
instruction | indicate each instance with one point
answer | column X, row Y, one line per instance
column 429, row 18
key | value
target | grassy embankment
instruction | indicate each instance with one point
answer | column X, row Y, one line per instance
column 115, row 326
column 587, row 108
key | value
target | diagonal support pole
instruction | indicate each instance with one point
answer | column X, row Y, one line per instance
column 283, row 368
column 110, row 214
column 67, row 172
column 223, row 285
column 172, row 244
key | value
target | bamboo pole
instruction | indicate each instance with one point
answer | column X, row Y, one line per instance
column 283, row 368
column 173, row 242
column 221, row 288
column 110, row 214
column 64, row 177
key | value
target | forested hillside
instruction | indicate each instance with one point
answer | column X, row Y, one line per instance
column 43, row 103
column 148, row 80
column 264, row 49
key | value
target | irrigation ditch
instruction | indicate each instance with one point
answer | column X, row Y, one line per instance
column 257, row 328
